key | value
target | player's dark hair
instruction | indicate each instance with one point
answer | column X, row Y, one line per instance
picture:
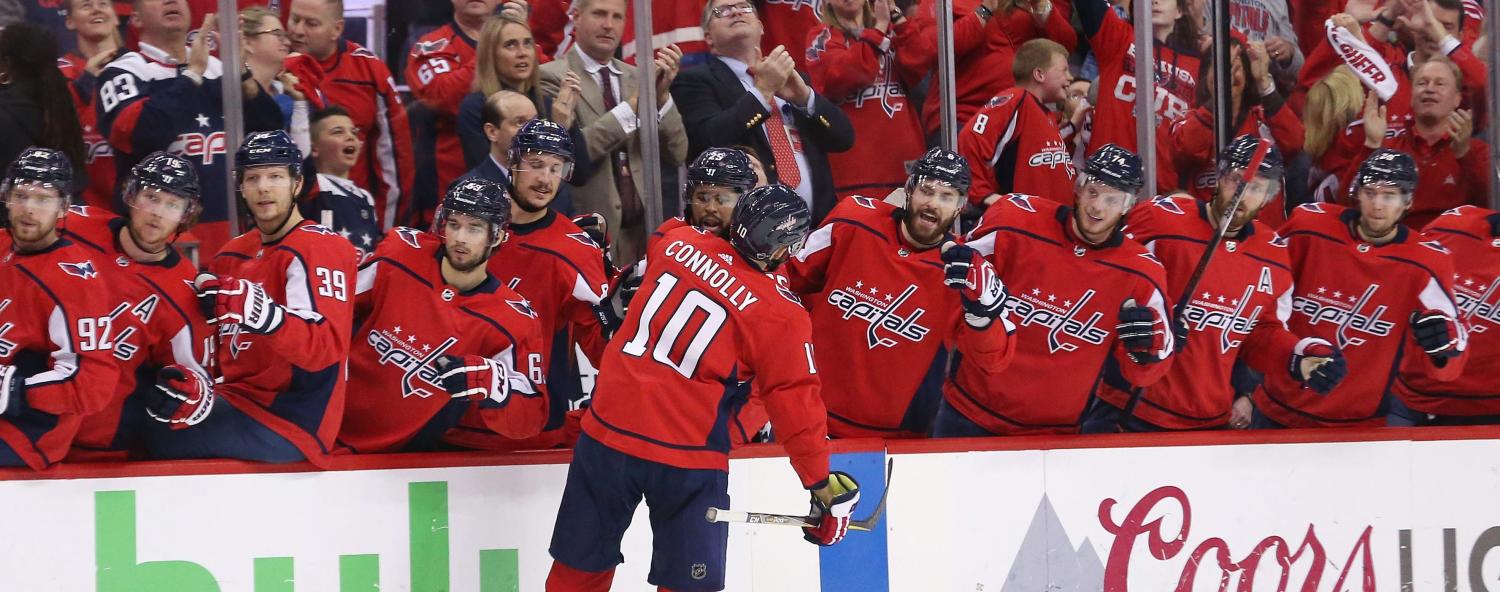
column 28, row 55
column 324, row 113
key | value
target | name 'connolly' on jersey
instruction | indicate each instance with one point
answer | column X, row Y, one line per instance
column 717, row 276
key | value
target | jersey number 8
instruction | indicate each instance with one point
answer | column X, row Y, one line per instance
column 693, row 303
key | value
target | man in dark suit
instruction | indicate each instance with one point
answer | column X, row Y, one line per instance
column 741, row 97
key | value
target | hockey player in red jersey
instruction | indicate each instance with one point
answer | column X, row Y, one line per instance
column 710, row 319
column 1083, row 297
column 1013, row 142
column 355, row 79
column 1238, row 311
column 439, row 336
column 872, row 277
column 559, row 269
column 1174, row 54
column 55, row 318
column 440, row 71
column 281, row 301
column 1380, row 292
column 1472, row 235
column 161, row 335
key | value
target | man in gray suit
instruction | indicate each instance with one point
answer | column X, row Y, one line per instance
column 607, row 116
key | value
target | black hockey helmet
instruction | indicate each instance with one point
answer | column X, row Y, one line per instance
column 727, row 167
column 167, row 172
column 1116, row 167
column 942, row 165
column 1386, row 166
column 43, row 166
column 1240, row 151
column 543, row 137
column 766, row 219
column 263, row 149
column 480, row 198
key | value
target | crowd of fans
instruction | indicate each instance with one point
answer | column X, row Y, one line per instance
column 836, row 101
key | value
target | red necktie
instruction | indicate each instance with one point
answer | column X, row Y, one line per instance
column 781, row 149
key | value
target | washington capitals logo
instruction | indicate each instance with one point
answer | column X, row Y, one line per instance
column 522, row 306
column 1032, row 309
column 435, row 45
column 80, row 210
column 1436, row 246
column 583, row 237
column 1312, row 207
column 84, row 270
column 879, row 313
column 1348, row 316
column 319, row 229
column 864, row 202
column 1478, row 306
column 408, row 236
column 1202, row 313
column 1022, row 201
column 1167, row 204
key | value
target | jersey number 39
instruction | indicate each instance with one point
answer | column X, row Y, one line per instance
column 694, row 304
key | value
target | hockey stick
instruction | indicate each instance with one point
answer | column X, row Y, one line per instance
column 866, row 525
column 1261, row 148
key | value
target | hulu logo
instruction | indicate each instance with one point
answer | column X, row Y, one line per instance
column 427, row 511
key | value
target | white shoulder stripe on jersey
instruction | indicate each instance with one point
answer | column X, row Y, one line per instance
column 1434, row 297
column 64, row 359
column 820, row 239
column 985, row 245
column 385, row 156
column 365, row 281
column 583, row 291
column 299, row 300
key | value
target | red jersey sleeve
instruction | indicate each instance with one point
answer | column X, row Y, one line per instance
column 319, row 305
column 987, row 134
column 1148, row 292
column 788, row 384
column 524, row 412
column 81, row 374
column 1437, row 295
column 437, row 76
column 840, row 65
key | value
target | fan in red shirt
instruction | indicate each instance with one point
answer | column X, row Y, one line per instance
column 985, row 37
column 354, row 78
column 96, row 28
column 1176, row 57
column 852, row 60
column 1013, row 144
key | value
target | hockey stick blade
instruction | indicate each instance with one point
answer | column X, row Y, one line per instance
column 874, row 518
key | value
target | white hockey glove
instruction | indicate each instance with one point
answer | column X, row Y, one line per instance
column 229, row 299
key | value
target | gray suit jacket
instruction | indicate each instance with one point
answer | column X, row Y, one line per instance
column 603, row 135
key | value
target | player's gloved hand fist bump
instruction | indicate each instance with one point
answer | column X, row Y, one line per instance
column 227, row 299
column 475, row 377
column 832, row 505
column 979, row 287
column 1141, row 331
column 1318, row 364
column 182, row 397
column 1179, row 335
column 1437, row 333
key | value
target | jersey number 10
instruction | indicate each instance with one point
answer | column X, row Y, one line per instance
column 692, row 303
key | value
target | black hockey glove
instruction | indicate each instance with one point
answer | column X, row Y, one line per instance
column 1438, row 335
column 1318, row 365
column 979, row 288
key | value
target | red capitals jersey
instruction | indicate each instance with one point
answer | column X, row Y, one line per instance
column 705, row 325
column 554, row 264
column 292, row 380
column 99, row 158
column 884, row 323
column 786, row 24
column 1065, row 299
column 409, row 317
column 357, row 80
column 1114, row 114
column 56, row 328
column 1239, row 311
column 1012, row 145
column 862, row 75
column 1469, row 233
column 159, row 324
column 440, row 70
column 1186, row 156
column 1360, row 297
column 1444, row 181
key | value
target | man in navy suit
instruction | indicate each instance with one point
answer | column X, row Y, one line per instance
column 505, row 112
column 741, row 97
